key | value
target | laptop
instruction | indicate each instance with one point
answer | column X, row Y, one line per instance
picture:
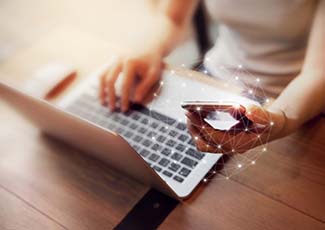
column 149, row 143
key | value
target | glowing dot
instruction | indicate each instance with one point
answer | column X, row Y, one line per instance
column 240, row 66
column 205, row 71
column 166, row 127
column 161, row 82
column 271, row 123
column 246, row 129
column 219, row 146
column 179, row 119
column 233, row 150
column 239, row 165
column 257, row 79
column 236, row 106
column 250, row 91
column 249, row 112
column 207, row 145
column 227, row 178
column 155, row 94
column 153, row 138
column 253, row 162
column 203, row 127
column 264, row 149
column 205, row 180
column 207, row 59
column 198, row 108
column 259, row 136
column 236, row 78
column 196, row 138
column 267, row 100
column 172, row 71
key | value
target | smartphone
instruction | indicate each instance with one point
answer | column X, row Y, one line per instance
column 220, row 115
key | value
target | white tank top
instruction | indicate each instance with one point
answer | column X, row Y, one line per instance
column 267, row 38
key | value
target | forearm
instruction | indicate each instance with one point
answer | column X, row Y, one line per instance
column 304, row 97
column 302, row 100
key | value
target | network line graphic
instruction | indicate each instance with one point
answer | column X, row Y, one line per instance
column 254, row 137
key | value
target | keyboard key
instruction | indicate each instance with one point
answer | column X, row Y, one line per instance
column 181, row 126
column 161, row 139
column 133, row 126
column 125, row 122
column 152, row 134
column 191, row 142
column 176, row 156
column 136, row 147
column 178, row 179
column 189, row 162
column 147, row 142
column 180, row 147
column 161, row 117
column 119, row 130
column 154, row 124
column 184, row 172
column 157, row 168
column 142, row 130
column 193, row 153
column 144, row 152
column 163, row 129
column 144, row 121
column 167, row 173
column 128, row 134
column 171, row 143
column 156, row 147
column 164, row 162
column 137, row 138
column 166, row 152
column 183, row 137
column 135, row 116
column 154, row 157
column 172, row 133
column 174, row 167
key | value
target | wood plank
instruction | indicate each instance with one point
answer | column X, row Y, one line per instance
column 18, row 215
column 225, row 204
column 78, row 191
column 292, row 171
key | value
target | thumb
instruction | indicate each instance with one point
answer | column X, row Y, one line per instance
column 264, row 117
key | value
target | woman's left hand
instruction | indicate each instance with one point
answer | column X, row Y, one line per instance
column 208, row 139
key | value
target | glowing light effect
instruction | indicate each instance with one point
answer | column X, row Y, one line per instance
column 226, row 143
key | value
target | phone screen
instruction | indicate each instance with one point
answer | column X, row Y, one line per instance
column 221, row 120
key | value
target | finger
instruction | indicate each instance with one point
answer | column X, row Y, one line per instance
column 111, row 78
column 129, row 70
column 147, row 83
column 201, row 144
column 102, row 91
column 195, row 119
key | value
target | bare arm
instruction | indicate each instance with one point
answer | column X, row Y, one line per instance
column 304, row 97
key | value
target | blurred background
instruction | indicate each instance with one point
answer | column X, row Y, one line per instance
column 125, row 24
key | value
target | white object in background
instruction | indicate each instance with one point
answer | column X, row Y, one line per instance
column 49, row 77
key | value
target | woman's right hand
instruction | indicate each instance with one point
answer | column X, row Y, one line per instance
column 141, row 72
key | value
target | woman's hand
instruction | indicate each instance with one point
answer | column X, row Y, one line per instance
column 208, row 139
column 140, row 72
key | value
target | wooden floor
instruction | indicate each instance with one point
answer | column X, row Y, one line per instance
column 45, row 184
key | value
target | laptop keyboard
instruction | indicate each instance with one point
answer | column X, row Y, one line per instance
column 163, row 142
